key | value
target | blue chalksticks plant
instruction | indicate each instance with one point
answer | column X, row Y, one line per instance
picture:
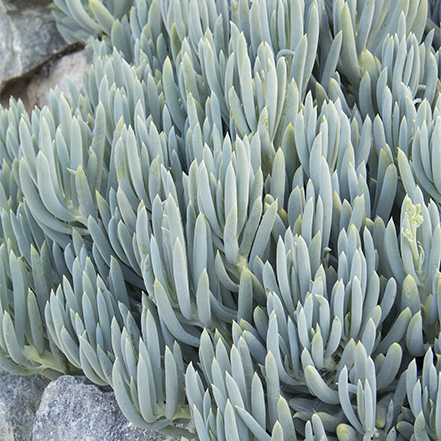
column 235, row 222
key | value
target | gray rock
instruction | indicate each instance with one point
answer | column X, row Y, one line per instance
column 14, row 5
column 72, row 408
column 28, row 37
column 19, row 400
column 34, row 90
column 57, row 73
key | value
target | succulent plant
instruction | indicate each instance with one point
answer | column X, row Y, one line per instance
column 234, row 222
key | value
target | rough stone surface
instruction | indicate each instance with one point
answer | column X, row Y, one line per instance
column 34, row 90
column 19, row 401
column 72, row 408
column 28, row 37
column 57, row 74
column 13, row 5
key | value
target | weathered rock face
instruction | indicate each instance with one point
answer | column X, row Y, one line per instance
column 58, row 74
column 15, row 4
column 73, row 408
column 19, row 400
column 28, row 37
column 34, row 90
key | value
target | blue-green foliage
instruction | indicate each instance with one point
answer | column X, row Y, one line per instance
column 235, row 222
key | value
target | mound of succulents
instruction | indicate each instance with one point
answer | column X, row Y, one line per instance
column 235, row 221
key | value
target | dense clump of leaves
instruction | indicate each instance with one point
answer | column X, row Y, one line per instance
column 235, row 221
